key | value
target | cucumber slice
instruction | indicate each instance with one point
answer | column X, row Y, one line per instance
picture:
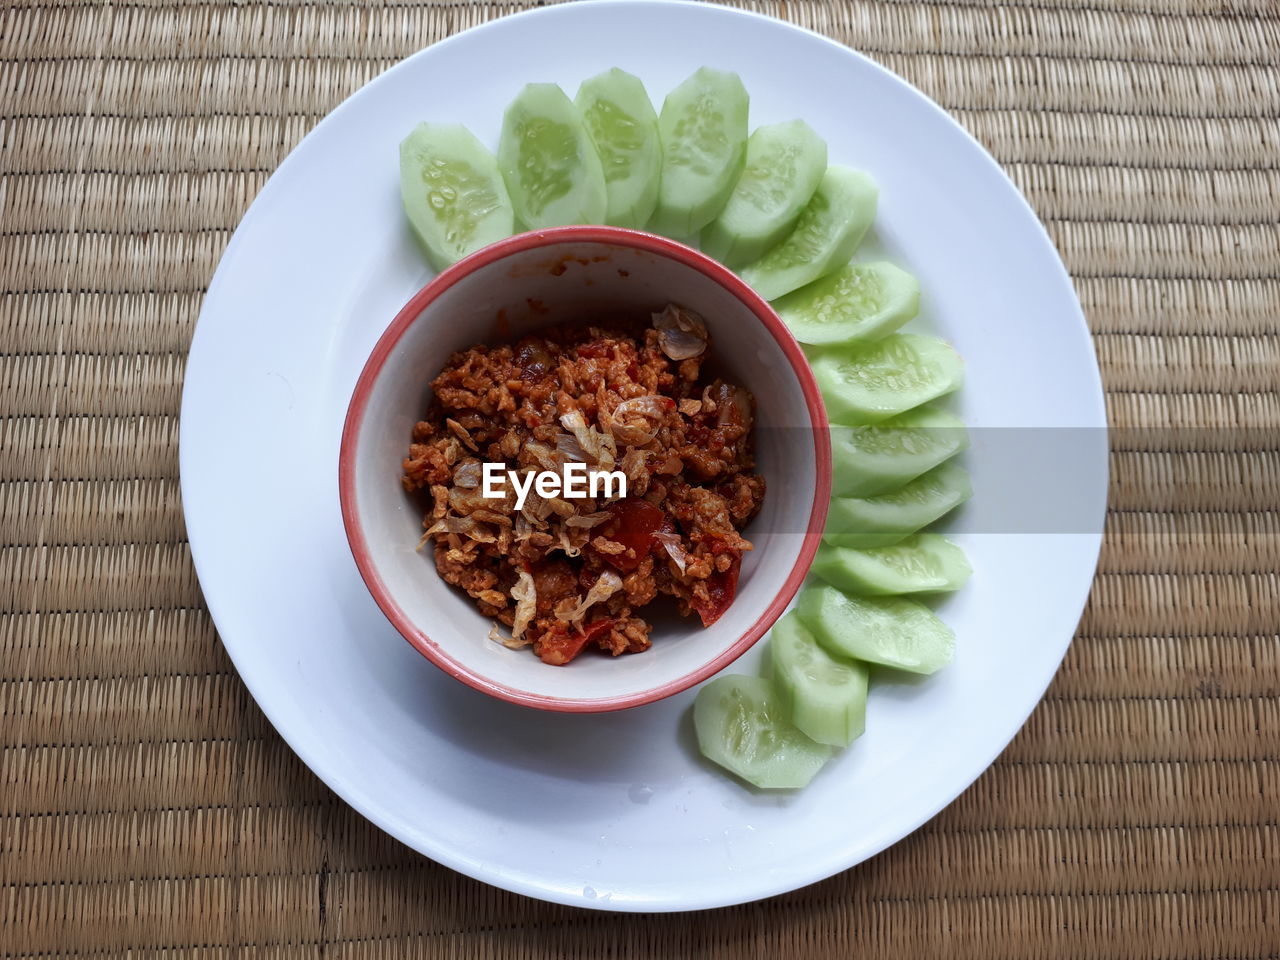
column 703, row 127
column 862, row 301
column 742, row 725
column 452, row 192
column 879, row 458
column 922, row 563
column 868, row 382
column 785, row 163
column 889, row 517
column 826, row 697
column 830, row 227
column 550, row 165
column 892, row 631
column 624, row 128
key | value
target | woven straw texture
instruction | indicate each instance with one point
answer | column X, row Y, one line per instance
column 147, row 808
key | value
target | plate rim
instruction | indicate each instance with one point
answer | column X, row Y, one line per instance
column 495, row 875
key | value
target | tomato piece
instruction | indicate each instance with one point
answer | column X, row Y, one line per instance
column 632, row 524
column 597, row 627
column 561, row 644
column 558, row 646
column 719, row 545
column 722, row 586
column 595, row 349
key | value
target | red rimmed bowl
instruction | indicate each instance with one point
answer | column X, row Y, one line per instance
column 498, row 294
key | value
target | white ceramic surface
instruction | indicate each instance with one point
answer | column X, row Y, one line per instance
column 526, row 283
column 614, row 811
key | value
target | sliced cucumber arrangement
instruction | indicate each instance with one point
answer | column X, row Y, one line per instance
column 550, row 165
column 452, row 192
column 785, row 164
column 881, row 457
column 869, row 382
column 742, row 725
column 922, row 563
column 892, row 631
column 769, row 206
column 624, row 128
column 862, row 301
column 828, row 232
column 889, row 517
column 703, row 126
column 826, row 696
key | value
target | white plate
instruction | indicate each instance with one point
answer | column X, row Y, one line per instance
column 616, row 811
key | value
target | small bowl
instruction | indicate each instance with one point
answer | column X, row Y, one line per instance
column 520, row 284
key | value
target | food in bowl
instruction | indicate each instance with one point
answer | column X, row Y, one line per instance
column 624, row 399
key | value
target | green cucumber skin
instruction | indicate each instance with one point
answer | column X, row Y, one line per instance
column 859, row 470
column 894, row 632
column 825, row 237
column 454, row 144
column 834, row 714
column 832, row 294
column 631, row 199
column 790, row 758
column 882, row 520
column 941, row 567
column 572, row 193
column 697, row 177
column 855, row 404
column 744, row 231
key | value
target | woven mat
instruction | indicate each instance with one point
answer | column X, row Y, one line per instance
column 146, row 805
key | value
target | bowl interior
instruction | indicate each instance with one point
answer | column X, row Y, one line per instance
column 497, row 301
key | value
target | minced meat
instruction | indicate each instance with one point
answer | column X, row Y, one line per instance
column 565, row 574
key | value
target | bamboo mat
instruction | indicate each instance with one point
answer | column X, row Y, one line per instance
column 147, row 808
